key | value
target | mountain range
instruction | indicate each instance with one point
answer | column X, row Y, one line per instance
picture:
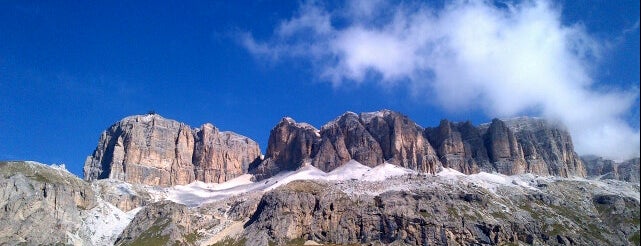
column 373, row 178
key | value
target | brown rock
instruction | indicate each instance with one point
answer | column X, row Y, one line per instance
column 401, row 140
column 369, row 138
column 221, row 156
column 290, row 144
column 460, row 146
column 344, row 139
column 152, row 150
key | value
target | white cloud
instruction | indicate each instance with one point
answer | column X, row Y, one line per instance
column 469, row 55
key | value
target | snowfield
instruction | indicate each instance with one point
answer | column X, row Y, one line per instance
column 372, row 181
column 198, row 193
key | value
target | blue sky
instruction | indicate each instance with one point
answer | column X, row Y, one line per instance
column 69, row 70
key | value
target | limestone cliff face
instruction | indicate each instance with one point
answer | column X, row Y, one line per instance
column 504, row 151
column 41, row 205
column 600, row 168
column 221, row 156
column 344, row 139
column 460, row 146
column 369, row 138
column 547, row 147
column 513, row 146
column 152, row 150
column 401, row 140
column 291, row 144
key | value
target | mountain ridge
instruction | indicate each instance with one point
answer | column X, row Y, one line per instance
column 512, row 146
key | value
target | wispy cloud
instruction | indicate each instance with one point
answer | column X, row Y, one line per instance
column 466, row 55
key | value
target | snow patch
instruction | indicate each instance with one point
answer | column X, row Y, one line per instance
column 198, row 193
column 105, row 222
column 385, row 171
column 368, row 116
column 350, row 170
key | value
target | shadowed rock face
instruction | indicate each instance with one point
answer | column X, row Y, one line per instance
column 514, row 146
column 504, row 151
column 152, row 150
column 369, row 138
column 460, row 146
column 601, row 168
column 344, row 139
column 290, row 144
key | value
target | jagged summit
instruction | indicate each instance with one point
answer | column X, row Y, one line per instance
column 512, row 146
column 150, row 149
column 289, row 120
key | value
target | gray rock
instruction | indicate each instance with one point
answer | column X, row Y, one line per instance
column 460, row 146
column 598, row 167
column 344, row 139
column 166, row 223
column 562, row 212
column 40, row 205
column 547, row 147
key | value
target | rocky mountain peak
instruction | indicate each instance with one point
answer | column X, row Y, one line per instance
column 513, row 146
column 149, row 149
column 366, row 117
column 369, row 138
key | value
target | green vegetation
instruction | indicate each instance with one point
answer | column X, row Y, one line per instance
column 499, row 215
column 424, row 213
column 527, row 207
column 635, row 239
column 38, row 173
column 296, row 241
column 231, row 242
column 305, row 186
column 452, row 211
column 557, row 229
column 192, row 238
column 153, row 235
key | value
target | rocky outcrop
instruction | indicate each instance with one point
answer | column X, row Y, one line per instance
column 221, row 156
column 559, row 213
column 547, row 147
column 503, row 149
column 125, row 196
column 170, row 223
column 460, row 146
column 402, row 141
column 40, row 205
column 165, row 223
column 369, row 138
column 290, row 144
column 344, row 139
column 513, row 146
column 600, row 168
column 152, row 150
